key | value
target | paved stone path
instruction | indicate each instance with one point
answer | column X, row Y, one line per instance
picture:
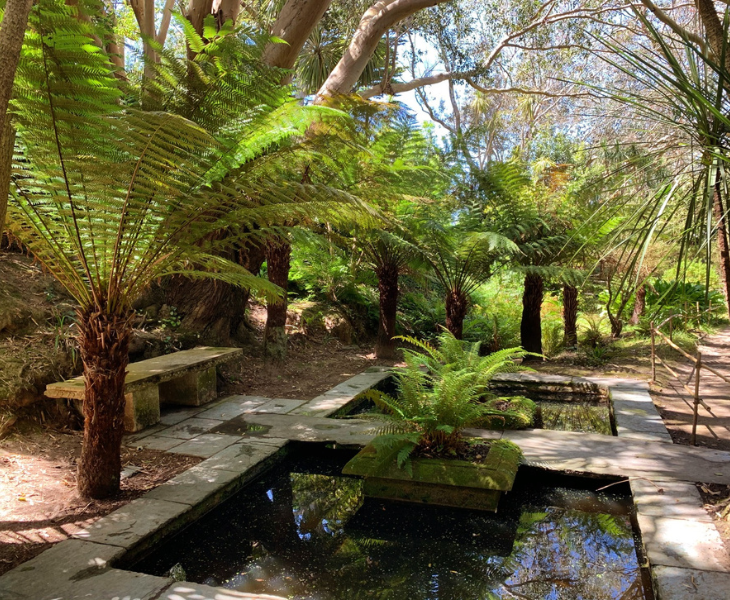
column 240, row 436
column 713, row 427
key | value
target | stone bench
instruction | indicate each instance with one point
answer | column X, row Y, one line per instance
column 187, row 377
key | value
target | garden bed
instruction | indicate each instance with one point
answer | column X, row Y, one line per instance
column 477, row 483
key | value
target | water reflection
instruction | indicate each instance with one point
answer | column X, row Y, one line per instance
column 305, row 532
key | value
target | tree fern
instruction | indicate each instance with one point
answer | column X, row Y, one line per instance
column 110, row 198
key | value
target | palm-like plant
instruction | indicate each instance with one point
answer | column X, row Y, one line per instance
column 678, row 84
column 535, row 216
column 109, row 199
column 462, row 261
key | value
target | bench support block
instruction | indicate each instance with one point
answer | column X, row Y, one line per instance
column 192, row 389
column 141, row 409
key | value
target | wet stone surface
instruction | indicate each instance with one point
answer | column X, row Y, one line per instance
column 671, row 583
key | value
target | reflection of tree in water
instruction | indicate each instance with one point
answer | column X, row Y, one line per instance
column 333, row 550
column 566, row 554
column 324, row 504
column 311, row 536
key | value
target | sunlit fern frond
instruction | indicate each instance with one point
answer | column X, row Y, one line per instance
column 110, row 198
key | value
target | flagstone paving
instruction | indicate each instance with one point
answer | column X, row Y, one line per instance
column 681, row 542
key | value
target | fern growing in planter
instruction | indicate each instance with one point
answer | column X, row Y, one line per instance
column 440, row 393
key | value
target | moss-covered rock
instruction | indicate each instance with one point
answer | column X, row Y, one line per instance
column 515, row 412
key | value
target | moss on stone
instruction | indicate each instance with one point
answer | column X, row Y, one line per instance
column 516, row 412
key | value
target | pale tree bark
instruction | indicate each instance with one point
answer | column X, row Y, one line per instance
column 12, row 32
column 380, row 17
column 294, row 25
column 226, row 10
column 383, row 15
column 144, row 12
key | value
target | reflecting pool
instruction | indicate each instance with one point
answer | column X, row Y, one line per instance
column 304, row 531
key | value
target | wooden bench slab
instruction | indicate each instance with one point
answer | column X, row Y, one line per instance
column 187, row 377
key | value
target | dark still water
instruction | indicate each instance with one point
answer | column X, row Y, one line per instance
column 303, row 531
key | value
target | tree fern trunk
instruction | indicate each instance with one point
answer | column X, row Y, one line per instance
column 104, row 342
column 570, row 316
column 388, row 289
column 457, row 305
column 639, row 304
column 12, row 32
column 531, row 326
column 278, row 253
column 718, row 207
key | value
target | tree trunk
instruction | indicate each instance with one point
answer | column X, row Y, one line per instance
column 531, row 326
column 7, row 144
column 639, row 304
column 617, row 325
column 388, row 288
column 226, row 10
column 714, row 30
column 12, row 32
column 718, row 208
column 376, row 20
column 278, row 253
column 294, row 24
column 570, row 316
column 215, row 310
column 104, row 344
column 456, row 306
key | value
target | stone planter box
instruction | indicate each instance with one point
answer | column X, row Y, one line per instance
column 442, row 482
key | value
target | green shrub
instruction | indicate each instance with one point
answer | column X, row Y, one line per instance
column 552, row 338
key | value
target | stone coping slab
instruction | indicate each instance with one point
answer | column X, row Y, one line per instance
column 189, row 428
column 339, row 397
column 232, row 407
column 128, row 525
column 196, row 591
column 237, row 458
column 683, row 543
column 667, row 498
column 279, row 406
column 193, row 486
column 114, row 584
column 672, row 583
column 607, row 455
column 153, row 370
column 44, row 575
column 315, row 429
column 205, row 445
